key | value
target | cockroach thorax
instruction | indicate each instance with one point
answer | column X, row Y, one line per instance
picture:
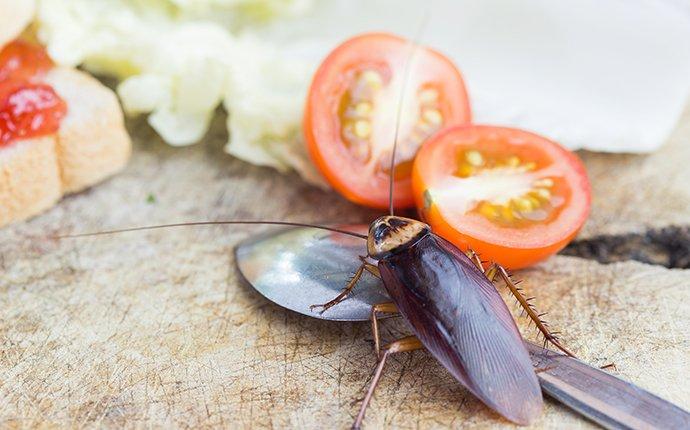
column 389, row 234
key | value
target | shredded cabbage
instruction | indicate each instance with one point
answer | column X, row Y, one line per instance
column 179, row 59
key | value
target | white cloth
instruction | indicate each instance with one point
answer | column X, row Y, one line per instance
column 605, row 75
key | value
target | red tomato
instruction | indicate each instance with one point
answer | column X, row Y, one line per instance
column 512, row 196
column 23, row 60
column 353, row 104
column 28, row 110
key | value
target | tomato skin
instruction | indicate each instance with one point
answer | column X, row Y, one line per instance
column 321, row 124
column 500, row 245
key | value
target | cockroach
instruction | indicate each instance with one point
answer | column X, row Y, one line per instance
column 450, row 303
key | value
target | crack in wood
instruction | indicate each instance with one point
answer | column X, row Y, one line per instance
column 668, row 247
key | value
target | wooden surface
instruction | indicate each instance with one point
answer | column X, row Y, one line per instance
column 156, row 330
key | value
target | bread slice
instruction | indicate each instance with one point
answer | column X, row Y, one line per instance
column 29, row 178
column 15, row 16
column 90, row 145
column 92, row 142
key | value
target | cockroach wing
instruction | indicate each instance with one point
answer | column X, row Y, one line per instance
column 458, row 315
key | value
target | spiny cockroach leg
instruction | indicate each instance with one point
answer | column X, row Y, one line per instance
column 530, row 310
column 344, row 293
column 388, row 308
column 491, row 273
column 475, row 259
column 409, row 343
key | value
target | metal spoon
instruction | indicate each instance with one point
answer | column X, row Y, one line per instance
column 298, row 267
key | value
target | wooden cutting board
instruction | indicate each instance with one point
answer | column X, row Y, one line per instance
column 156, row 330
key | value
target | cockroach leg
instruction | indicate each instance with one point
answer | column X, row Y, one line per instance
column 491, row 273
column 388, row 308
column 529, row 309
column 371, row 268
column 475, row 259
column 409, row 343
column 344, row 293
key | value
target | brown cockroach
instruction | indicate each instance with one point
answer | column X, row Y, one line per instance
column 450, row 303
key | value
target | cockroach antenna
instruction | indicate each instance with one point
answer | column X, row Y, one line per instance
column 413, row 45
column 207, row 223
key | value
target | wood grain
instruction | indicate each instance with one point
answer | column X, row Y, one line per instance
column 156, row 330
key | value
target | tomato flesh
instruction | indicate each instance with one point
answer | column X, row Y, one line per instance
column 353, row 106
column 513, row 196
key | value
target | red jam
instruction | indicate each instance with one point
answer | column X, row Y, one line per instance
column 27, row 109
column 23, row 60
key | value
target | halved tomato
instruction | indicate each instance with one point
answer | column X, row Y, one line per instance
column 352, row 109
column 512, row 196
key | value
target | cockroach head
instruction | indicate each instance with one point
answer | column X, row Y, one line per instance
column 390, row 234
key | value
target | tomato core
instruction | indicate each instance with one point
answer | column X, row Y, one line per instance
column 364, row 119
column 536, row 200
